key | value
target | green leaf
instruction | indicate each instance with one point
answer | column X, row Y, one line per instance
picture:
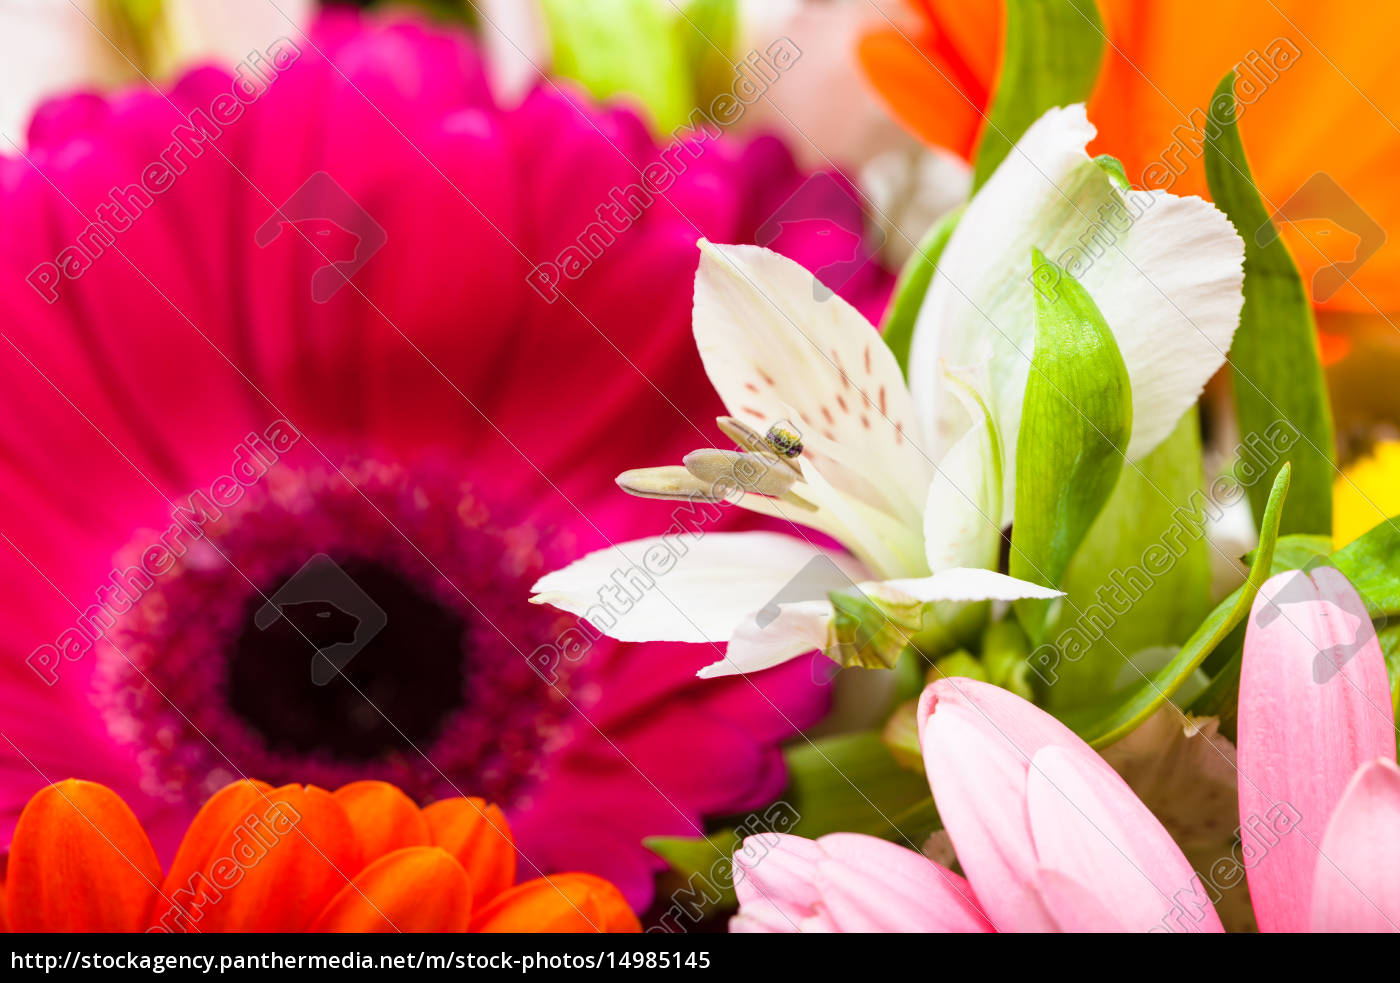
column 1297, row 551
column 1113, row 167
column 867, row 634
column 709, row 35
column 911, row 287
column 1372, row 564
column 852, row 783
column 874, row 629
column 706, row 868
column 1280, row 393
column 1141, row 579
column 1389, row 638
column 1121, row 714
column 1005, row 650
column 1050, row 57
column 1075, row 424
column 1221, row 698
column 624, row 48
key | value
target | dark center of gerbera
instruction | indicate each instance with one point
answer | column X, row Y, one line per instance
column 364, row 622
column 348, row 659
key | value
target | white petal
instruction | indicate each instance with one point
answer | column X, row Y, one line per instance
column 759, row 643
column 46, row 48
column 226, row 32
column 961, row 584
column 682, row 588
column 888, row 547
column 772, row 348
column 762, row 640
column 1168, row 282
column 963, row 516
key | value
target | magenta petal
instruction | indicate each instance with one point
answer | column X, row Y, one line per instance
column 1092, row 829
column 1357, row 884
column 1314, row 706
column 136, row 382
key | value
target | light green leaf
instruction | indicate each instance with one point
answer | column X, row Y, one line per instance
column 1075, row 425
column 1141, row 579
column 1005, row 650
column 869, row 634
column 1121, row 714
column 1372, row 564
column 1278, row 382
column 624, row 48
column 874, row 629
column 709, row 33
column 704, row 864
column 1221, row 698
column 912, row 285
column 1389, row 637
column 1297, row 551
column 1113, row 167
column 1050, row 57
column 852, row 783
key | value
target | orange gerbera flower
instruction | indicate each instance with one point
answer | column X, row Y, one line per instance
column 1317, row 85
column 289, row 859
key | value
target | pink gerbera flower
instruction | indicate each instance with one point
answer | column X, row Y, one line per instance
column 260, row 519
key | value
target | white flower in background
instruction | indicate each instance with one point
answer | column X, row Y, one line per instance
column 824, row 109
column 517, row 46
column 52, row 46
column 912, row 479
column 829, row 116
column 909, row 189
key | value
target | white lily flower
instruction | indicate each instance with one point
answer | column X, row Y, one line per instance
column 1166, row 272
column 911, row 478
column 775, row 352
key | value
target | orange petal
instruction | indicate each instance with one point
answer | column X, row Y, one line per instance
column 226, row 807
column 383, row 817
column 258, row 860
column 559, row 903
column 1317, row 95
column 923, row 90
column 477, row 834
column 935, row 67
column 80, row 862
column 417, row 889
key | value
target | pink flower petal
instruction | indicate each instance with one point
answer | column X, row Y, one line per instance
column 775, row 878
column 1075, row 907
column 1314, row 705
column 978, row 741
column 1357, row 884
column 847, row 882
column 1090, row 827
column 872, row 885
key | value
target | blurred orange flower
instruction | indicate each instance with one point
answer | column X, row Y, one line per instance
column 292, row 859
column 1316, row 84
